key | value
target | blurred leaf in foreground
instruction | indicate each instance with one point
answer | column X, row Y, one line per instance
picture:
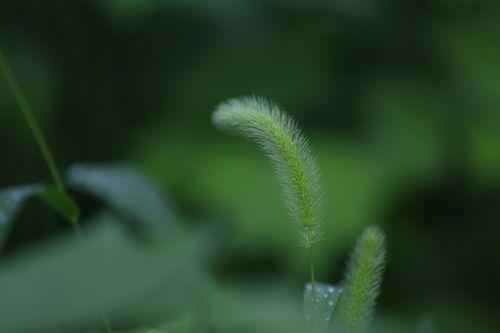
column 124, row 189
column 68, row 282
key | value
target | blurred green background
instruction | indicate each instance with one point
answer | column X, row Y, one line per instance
column 401, row 101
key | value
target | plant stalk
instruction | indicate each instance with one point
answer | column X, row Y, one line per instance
column 311, row 265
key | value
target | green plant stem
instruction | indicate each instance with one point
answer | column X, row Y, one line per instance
column 311, row 265
column 31, row 120
column 315, row 302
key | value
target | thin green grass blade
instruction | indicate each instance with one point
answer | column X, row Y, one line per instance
column 31, row 120
column 62, row 201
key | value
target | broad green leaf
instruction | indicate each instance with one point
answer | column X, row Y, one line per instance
column 61, row 202
column 11, row 202
column 125, row 190
column 318, row 310
column 68, row 282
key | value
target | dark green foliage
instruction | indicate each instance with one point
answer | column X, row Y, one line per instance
column 400, row 101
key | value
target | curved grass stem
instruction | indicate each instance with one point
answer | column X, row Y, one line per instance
column 280, row 138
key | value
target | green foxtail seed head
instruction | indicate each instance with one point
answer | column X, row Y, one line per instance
column 362, row 282
column 278, row 135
